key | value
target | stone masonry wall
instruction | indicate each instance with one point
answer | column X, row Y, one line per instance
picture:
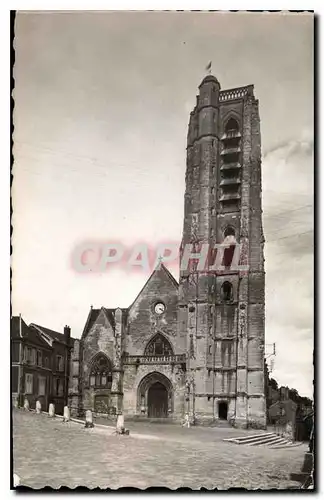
column 144, row 323
column 134, row 375
column 100, row 338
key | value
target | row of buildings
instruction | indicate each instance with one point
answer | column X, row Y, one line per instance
column 39, row 364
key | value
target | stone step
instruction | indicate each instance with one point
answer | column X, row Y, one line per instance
column 251, row 439
column 245, row 439
column 270, row 441
column 289, row 444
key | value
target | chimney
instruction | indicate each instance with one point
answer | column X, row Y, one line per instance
column 67, row 333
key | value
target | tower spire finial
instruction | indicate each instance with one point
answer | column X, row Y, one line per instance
column 208, row 68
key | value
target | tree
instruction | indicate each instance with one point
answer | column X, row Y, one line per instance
column 273, row 383
column 293, row 395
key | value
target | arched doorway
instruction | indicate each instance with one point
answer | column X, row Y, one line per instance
column 157, row 401
column 222, row 410
column 155, row 396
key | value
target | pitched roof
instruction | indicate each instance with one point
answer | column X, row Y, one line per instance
column 20, row 330
column 110, row 314
column 170, row 275
column 159, row 267
column 18, row 327
column 92, row 316
column 52, row 334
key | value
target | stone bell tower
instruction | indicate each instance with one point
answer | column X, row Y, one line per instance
column 221, row 309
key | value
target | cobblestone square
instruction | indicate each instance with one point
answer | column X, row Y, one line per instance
column 48, row 452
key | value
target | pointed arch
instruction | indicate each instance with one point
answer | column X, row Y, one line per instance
column 158, row 345
column 100, row 371
column 155, row 395
column 232, row 125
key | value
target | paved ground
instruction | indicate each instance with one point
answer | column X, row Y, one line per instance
column 49, row 452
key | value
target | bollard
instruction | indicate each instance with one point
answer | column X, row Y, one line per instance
column 51, row 410
column 66, row 415
column 26, row 404
column 186, row 422
column 38, row 407
column 120, row 424
column 120, row 428
column 89, row 422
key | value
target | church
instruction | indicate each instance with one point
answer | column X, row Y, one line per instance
column 195, row 347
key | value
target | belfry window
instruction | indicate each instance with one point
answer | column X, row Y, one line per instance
column 229, row 231
column 227, row 291
column 229, row 239
column 101, row 372
column 231, row 126
column 158, row 346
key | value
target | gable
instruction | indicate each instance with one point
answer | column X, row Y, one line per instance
column 20, row 330
column 160, row 284
column 99, row 337
column 144, row 321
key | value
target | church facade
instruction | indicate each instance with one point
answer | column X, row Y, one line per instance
column 196, row 347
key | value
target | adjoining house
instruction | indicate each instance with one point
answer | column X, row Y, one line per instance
column 282, row 414
column 60, row 344
column 40, row 364
column 30, row 365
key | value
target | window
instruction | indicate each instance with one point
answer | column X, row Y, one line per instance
column 14, row 378
column 15, row 352
column 28, row 383
column 59, row 364
column 158, row 346
column 229, row 231
column 30, row 355
column 59, row 387
column 46, row 362
column 41, row 385
column 101, row 372
column 227, row 291
column 75, row 368
column 231, row 126
column 228, row 255
column 39, row 358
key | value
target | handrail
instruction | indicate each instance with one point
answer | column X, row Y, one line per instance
column 175, row 358
column 237, row 93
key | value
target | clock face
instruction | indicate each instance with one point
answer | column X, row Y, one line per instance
column 159, row 308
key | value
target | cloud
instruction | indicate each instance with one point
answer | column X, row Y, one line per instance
column 288, row 225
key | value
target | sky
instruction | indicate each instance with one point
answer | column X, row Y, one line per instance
column 102, row 103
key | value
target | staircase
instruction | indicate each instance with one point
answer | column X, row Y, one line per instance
column 269, row 439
